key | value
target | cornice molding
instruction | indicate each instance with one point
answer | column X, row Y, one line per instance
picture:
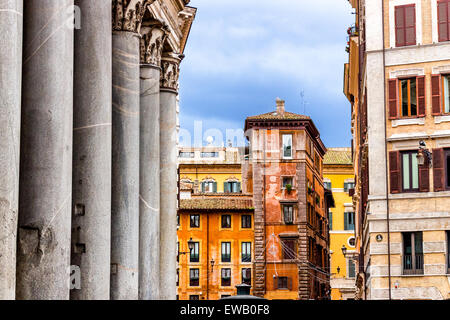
column 127, row 15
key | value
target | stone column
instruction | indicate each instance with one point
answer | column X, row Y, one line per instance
column 91, row 203
column 152, row 42
column 125, row 149
column 43, row 254
column 168, row 122
column 11, row 14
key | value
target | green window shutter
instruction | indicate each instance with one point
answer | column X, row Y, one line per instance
column 346, row 221
column 215, row 187
column 239, row 187
column 330, row 220
column 225, row 187
column 203, row 187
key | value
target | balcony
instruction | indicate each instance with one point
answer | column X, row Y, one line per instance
column 413, row 264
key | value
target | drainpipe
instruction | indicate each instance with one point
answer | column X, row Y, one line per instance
column 386, row 155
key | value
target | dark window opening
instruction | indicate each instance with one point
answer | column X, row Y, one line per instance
column 226, row 277
column 195, row 221
column 412, row 253
column 226, row 251
column 246, row 221
column 226, row 221
column 194, row 277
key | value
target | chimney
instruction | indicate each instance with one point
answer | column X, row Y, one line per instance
column 280, row 106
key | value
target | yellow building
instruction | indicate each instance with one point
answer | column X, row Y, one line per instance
column 211, row 169
column 339, row 177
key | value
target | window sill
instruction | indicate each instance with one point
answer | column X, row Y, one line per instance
column 408, row 121
column 442, row 118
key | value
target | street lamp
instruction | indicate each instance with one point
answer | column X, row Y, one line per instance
column 344, row 250
column 191, row 245
column 422, row 153
column 212, row 264
column 338, row 270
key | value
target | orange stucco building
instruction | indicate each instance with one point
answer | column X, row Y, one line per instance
column 284, row 171
column 216, row 245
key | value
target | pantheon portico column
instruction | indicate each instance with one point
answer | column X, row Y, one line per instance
column 152, row 41
column 43, row 253
column 127, row 17
column 91, row 203
column 11, row 22
column 168, row 135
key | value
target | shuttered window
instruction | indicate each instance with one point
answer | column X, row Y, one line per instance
column 410, row 171
column 282, row 283
column 405, row 25
column 289, row 249
column 407, row 97
column 349, row 221
column 209, row 187
column 439, row 166
column 232, row 187
column 446, row 93
column 444, row 20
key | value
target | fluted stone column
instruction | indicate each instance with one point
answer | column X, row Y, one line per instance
column 43, row 254
column 168, row 135
column 11, row 15
column 127, row 17
column 91, row 203
column 152, row 42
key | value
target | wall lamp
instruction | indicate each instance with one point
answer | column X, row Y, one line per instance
column 424, row 155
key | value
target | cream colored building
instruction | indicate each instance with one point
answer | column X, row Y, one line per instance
column 404, row 221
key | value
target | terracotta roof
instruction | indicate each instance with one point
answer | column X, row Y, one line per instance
column 276, row 116
column 216, row 204
column 338, row 156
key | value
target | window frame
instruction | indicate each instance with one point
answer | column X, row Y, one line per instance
column 227, row 245
column 447, row 168
column 245, row 225
column 194, row 281
column 292, row 146
column 283, row 185
column 225, row 281
column 400, row 98
column 411, row 154
column 282, row 283
column 351, row 262
column 405, row 43
column 414, row 270
column 349, row 217
column 445, row 77
column 292, row 213
column 194, row 254
column 286, row 255
column 246, row 271
column 447, row 2
column 227, row 226
column 246, row 246
column 191, row 225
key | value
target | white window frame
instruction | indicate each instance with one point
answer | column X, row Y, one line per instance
column 395, row 3
column 282, row 145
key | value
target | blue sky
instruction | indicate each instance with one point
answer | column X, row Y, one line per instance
column 243, row 54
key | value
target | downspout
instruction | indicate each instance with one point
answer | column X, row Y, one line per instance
column 264, row 208
column 386, row 154
column 207, row 256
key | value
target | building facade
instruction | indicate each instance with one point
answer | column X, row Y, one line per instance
column 215, row 245
column 86, row 207
column 339, row 178
column 284, row 169
column 397, row 81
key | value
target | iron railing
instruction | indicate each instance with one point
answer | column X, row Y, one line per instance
column 413, row 264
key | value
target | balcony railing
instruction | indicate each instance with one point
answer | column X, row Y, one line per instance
column 413, row 264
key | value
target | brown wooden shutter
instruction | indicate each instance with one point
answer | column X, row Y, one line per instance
column 436, row 94
column 399, row 26
column 410, row 25
column 438, row 170
column 443, row 20
column 393, row 98
column 394, row 171
column 289, row 283
column 275, row 283
column 421, row 95
column 424, row 177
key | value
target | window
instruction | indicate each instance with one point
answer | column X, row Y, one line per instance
column 405, row 25
column 186, row 154
column 287, row 181
column 327, row 185
column 226, row 221
column 330, row 220
column 349, row 221
column 247, row 276
column 351, row 273
column 448, row 252
column 195, row 253
column 408, row 97
column 246, row 221
column 226, row 277
column 444, row 20
column 178, row 277
column 447, row 169
column 209, row 186
column 288, row 213
column 194, row 297
column 287, row 146
column 178, row 251
column 412, row 253
column 209, row 154
column 410, row 171
column 195, row 221
column 289, row 249
column 226, row 251
column 232, row 187
column 446, row 93
column 194, row 277
column 246, row 255
column 348, row 186
column 282, row 283
column 178, row 220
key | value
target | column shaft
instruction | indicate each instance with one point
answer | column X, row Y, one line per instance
column 91, row 203
column 11, row 14
column 125, row 166
column 168, row 220
column 149, row 235
column 43, row 254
